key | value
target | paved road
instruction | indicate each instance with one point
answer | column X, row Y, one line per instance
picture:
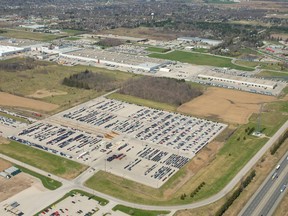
column 268, row 193
column 78, row 182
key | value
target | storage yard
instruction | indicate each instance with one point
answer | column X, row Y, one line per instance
column 131, row 141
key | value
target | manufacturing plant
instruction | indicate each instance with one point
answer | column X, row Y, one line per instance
column 250, row 84
column 114, row 59
column 134, row 59
column 11, row 46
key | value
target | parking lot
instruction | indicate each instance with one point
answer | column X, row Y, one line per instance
column 131, row 141
column 77, row 204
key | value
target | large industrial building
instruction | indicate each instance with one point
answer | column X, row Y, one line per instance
column 116, row 59
column 9, row 50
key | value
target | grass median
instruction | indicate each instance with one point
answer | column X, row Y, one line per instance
column 142, row 102
column 138, row 212
column 47, row 182
column 48, row 162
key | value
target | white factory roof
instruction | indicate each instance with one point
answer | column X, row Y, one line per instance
column 239, row 79
column 5, row 49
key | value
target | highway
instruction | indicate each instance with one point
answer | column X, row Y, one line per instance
column 268, row 195
column 79, row 182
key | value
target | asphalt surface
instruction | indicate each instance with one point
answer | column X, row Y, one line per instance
column 263, row 201
column 78, row 183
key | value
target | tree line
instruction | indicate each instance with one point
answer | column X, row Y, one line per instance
column 90, row 80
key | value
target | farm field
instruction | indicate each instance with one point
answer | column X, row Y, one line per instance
column 10, row 100
column 199, row 59
column 225, row 105
column 45, row 84
column 48, row 162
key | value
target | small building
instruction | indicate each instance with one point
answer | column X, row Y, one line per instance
column 5, row 175
column 12, row 171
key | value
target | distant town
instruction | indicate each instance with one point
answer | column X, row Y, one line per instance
column 143, row 107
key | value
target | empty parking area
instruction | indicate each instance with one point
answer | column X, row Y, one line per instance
column 131, row 141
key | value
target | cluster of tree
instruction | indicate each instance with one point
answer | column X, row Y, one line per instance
column 110, row 42
column 160, row 89
column 194, row 192
column 26, row 64
column 236, row 194
column 277, row 145
column 90, row 80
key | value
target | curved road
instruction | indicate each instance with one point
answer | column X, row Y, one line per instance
column 78, row 182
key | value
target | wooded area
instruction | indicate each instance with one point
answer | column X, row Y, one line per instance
column 164, row 90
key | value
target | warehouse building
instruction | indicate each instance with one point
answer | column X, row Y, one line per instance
column 10, row 50
column 113, row 59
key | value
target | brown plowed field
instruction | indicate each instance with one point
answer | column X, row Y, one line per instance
column 16, row 101
column 225, row 105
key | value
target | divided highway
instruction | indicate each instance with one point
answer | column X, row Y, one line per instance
column 269, row 194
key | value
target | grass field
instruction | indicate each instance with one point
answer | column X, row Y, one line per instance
column 262, row 65
column 275, row 75
column 71, row 38
column 199, row 59
column 72, row 32
column 47, row 182
column 235, row 153
column 43, row 160
column 143, row 102
column 49, row 78
column 22, row 34
column 138, row 212
column 157, row 49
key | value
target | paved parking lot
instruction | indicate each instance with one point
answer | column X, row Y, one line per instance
column 131, row 141
column 77, row 204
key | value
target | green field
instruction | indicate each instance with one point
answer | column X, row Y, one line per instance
column 143, row 102
column 235, row 153
column 199, row 59
column 72, row 32
column 273, row 74
column 22, row 34
column 138, row 212
column 47, row 182
column 157, row 49
column 43, row 160
column 71, row 38
column 49, row 78
column 101, row 201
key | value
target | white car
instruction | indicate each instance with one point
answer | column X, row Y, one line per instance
column 283, row 188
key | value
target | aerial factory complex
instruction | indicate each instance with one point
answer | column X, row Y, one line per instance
column 144, row 108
